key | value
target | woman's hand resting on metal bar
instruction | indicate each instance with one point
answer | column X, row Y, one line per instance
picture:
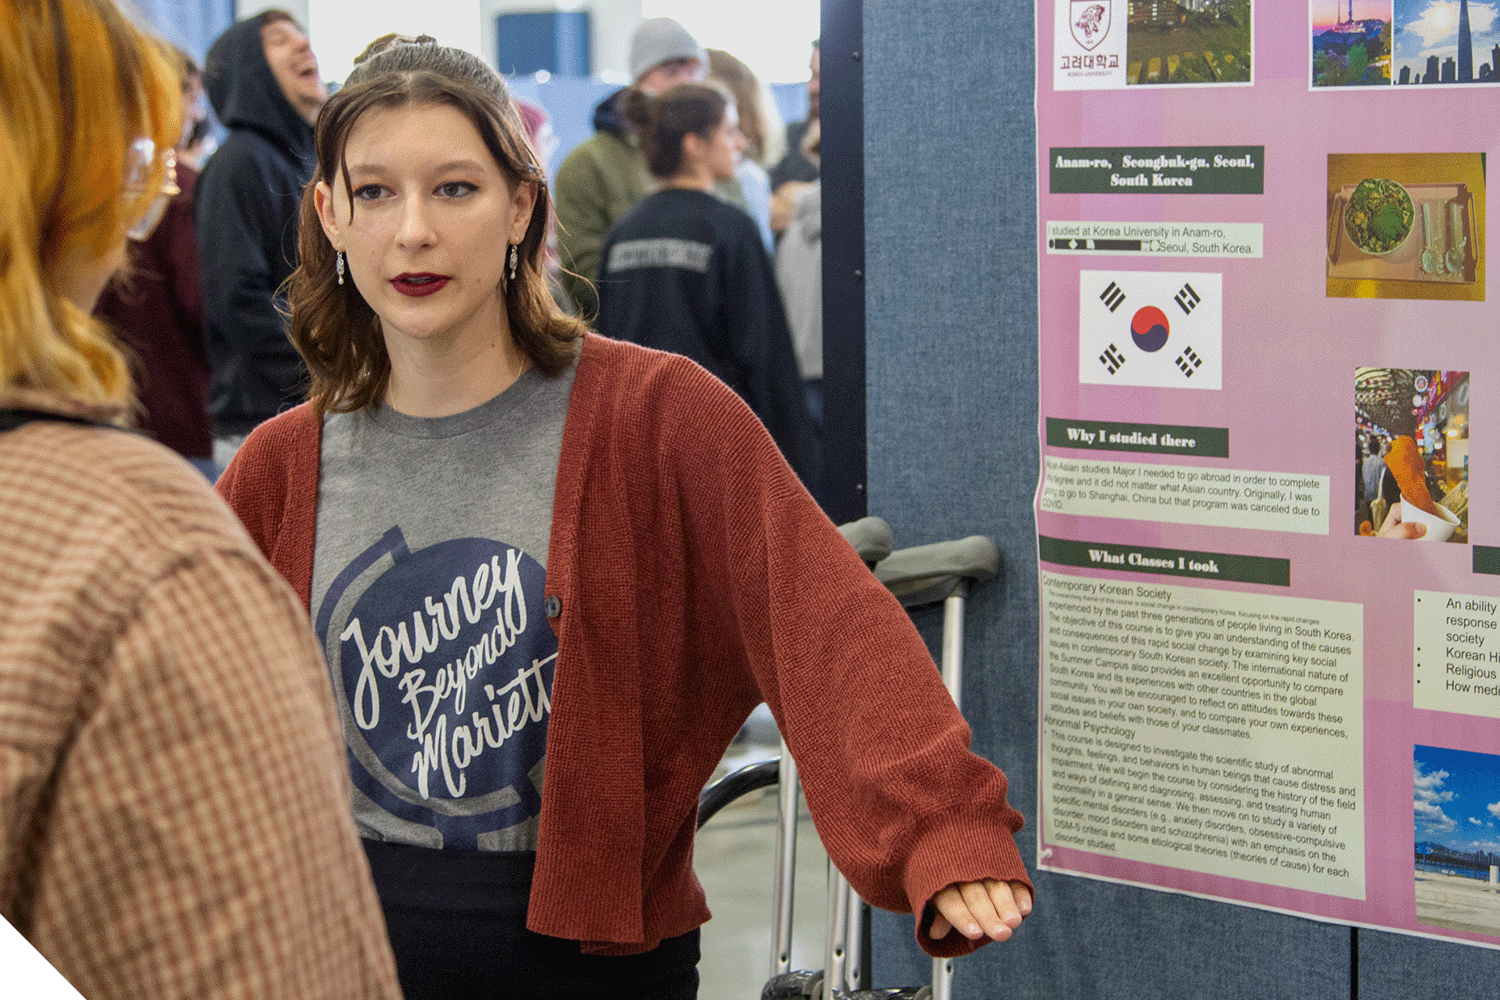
column 976, row 909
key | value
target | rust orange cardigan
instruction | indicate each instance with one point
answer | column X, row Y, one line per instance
column 696, row 577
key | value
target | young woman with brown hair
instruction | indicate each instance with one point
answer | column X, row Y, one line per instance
column 553, row 573
column 761, row 126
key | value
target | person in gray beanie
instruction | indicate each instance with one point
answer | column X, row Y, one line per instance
column 605, row 174
column 664, row 48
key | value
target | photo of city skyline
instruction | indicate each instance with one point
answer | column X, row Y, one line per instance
column 1351, row 42
column 1446, row 41
column 1454, row 839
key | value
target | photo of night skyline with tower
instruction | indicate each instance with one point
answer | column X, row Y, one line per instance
column 1446, row 41
column 1404, row 42
column 1352, row 47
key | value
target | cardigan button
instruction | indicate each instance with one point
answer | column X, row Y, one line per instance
column 554, row 605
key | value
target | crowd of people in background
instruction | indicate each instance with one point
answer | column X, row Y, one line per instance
column 683, row 271
column 202, row 305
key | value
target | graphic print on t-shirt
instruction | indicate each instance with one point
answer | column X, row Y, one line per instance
column 442, row 664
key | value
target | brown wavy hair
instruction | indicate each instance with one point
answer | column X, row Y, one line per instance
column 749, row 98
column 333, row 327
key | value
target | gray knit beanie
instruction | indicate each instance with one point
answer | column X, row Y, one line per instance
column 658, row 40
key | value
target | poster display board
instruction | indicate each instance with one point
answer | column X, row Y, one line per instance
column 1270, row 670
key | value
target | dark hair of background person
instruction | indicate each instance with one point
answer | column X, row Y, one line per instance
column 332, row 327
column 154, row 305
column 748, row 98
column 275, row 15
column 663, row 121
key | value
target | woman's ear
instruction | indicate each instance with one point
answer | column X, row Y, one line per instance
column 694, row 147
column 323, row 202
column 523, row 201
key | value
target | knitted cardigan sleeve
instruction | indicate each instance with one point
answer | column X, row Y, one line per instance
column 272, row 485
column 903, row 805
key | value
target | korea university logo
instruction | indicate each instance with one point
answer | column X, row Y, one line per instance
column 1089, row 52
column 1088, row 20
column 1150, row 328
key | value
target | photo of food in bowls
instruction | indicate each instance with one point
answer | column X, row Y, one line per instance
column 1406, row 225
column 1379, row 216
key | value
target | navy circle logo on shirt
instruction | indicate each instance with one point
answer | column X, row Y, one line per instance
column 442, row 661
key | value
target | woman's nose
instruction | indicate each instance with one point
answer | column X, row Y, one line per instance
column 416, row 227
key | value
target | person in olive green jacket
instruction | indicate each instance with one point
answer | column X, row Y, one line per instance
column 605, row 174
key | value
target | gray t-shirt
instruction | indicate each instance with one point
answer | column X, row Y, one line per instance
column 427, row 594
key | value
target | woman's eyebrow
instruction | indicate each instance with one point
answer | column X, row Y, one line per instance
column 442, row 168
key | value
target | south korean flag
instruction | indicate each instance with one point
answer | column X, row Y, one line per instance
column 1153, row 328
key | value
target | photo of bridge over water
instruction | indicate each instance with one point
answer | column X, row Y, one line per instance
column 1456, row 839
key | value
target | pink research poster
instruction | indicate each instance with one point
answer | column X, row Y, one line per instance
column 1270, row 669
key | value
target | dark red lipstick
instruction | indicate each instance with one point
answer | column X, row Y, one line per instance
column 417, row 285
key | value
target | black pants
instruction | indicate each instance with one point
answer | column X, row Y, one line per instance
column 457, row 923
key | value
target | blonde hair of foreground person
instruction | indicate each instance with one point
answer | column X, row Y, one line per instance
column 79, row 83
column 172, row 788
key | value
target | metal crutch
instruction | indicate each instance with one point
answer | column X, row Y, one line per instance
column 927, row 574
column 920, row 576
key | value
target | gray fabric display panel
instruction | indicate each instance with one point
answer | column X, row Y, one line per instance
column 951, row 363
column 1397, row 967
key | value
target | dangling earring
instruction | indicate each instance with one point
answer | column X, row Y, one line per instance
column 338, row 265
column 513, row 262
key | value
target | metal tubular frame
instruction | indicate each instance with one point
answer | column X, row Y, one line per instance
column 786, row 863
column 836, row 956
column 953, row 678
column 916, row 582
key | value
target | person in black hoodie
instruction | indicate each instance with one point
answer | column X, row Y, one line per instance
column 262, row 78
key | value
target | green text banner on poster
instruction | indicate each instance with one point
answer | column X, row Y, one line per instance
column 1156, row 169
